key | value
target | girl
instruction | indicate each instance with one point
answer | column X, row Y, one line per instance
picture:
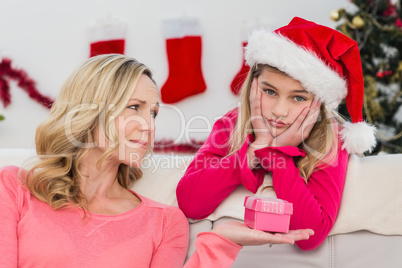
column 75, row 209
column 286, row 126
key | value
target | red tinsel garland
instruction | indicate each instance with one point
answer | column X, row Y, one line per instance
column 23, row 80
column 166, row 146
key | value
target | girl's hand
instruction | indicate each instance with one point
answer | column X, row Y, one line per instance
column 263, row 137
column 301, row 128
column 245, row 236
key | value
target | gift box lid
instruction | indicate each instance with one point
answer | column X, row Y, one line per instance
column 268, row 205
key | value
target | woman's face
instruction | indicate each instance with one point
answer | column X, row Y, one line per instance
column 135, row 125
column 283, row 99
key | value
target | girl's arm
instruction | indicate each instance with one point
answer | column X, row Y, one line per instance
column 211, row 176
column 315, row 204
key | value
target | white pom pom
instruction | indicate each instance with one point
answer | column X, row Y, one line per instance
column 358, row 138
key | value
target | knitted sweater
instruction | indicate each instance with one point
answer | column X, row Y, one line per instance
column 150, row 235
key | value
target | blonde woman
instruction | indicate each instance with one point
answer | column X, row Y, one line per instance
column 75, row 209
column 286, row 125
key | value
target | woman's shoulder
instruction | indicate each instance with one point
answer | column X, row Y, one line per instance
column 169, row 216
column 12, row 179
column 12, row 175
column 163, row 208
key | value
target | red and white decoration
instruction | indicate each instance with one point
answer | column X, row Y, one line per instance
column 238, row 80
column 184, row 49
column 107, row 36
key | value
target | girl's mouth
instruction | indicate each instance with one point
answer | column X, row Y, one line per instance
column 277, row 123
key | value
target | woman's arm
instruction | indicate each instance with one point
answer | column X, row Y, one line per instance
column 217, row 248
column 315, row 204
column 211, row 176
column 10, row 191
column 220, row 247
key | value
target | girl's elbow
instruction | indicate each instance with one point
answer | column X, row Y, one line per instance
column 311, row 244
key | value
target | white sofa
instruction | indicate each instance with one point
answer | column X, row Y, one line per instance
column 367, row 233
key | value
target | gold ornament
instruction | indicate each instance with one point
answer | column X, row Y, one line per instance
column 345, row 30
column 358, row 22
column 397, row 76
column 335, row 15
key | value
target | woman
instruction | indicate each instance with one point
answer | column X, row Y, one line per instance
column 74, row 208
column 286, row 126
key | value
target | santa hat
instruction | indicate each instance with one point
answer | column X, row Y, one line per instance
column 327, row 64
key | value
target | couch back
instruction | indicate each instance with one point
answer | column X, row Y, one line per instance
column 371, row 199
column 367, row 233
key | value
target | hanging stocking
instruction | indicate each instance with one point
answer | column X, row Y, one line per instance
column 240, row 76
column 183, row 47
column 107, row 36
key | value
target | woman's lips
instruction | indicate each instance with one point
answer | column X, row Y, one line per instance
column 276, row 123
column 142, row 144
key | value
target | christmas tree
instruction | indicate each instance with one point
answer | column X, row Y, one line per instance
column 376, row 25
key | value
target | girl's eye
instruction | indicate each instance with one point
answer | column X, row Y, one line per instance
column 134, row 107
column 299, row 98
column 154, row 114
column 269, row 92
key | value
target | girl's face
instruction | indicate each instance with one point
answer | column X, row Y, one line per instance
column 135, row 125
column 283, row 99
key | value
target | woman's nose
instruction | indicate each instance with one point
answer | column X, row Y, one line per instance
column 148, row 125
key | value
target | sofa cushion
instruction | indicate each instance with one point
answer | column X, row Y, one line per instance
column 372, row 197
column 161, row 174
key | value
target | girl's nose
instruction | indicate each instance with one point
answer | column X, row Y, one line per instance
column 280, row 109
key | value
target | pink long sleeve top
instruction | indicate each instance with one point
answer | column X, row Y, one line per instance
column 212, row 176
column 32, row 234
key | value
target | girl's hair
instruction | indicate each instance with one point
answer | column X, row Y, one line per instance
column 94, row 94
column 321, row 145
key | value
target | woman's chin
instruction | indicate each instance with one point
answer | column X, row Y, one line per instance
column 133, row 159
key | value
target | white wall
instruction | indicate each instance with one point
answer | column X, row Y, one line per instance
column 48, row 38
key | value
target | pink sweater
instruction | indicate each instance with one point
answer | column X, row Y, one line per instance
column 32, row 234
column 211, row 177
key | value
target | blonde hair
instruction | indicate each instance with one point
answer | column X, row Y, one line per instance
column 94, row 94
column 321, row 145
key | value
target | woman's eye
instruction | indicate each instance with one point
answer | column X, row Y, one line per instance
column 269, row 91
column 134, row 107
column 299, row 98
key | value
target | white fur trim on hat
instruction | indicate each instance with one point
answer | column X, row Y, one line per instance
column 304, row 66
column 358, row 137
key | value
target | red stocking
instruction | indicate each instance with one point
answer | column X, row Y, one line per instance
column 240, row 76
column 107, row 36
column 183, row 47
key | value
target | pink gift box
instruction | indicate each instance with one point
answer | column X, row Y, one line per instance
column 267, row 214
